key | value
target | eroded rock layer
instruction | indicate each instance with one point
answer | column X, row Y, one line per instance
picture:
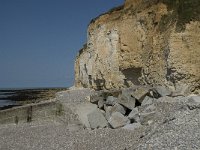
column 154, row 42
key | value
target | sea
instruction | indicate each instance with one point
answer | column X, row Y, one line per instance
column 12, row 97
column 4, row 98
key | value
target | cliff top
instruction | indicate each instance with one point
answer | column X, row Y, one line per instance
column 181, row 11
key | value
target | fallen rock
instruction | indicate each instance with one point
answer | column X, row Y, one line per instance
column 193, row 102
column 101, row 103
column 134, row 115
column 118, row 120
column 118, row 108
column 147, row 101
column 110, row 100
column 103, row 112
column 181, row 90
column 126, row 100
column 108, row 111
column 82, row 110
column 96, row 119
column 140, row 93
column 163, row 91
column 132, row 126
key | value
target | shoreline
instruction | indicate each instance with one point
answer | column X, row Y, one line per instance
column 20, row 97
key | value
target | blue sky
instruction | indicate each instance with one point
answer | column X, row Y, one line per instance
column 39, row 39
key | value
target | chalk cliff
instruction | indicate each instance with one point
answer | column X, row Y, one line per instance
column 153, row 42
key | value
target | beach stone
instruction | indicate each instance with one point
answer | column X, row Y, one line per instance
column 163, row 91
column 118, row 108
column 132, row 126
column 110, row 100
column 118, row 120
column 147, row 101
column 82, row 110
column 194, row 102
column 140, row 93
column 126, row 99
column 97, row 119
column 134, row 115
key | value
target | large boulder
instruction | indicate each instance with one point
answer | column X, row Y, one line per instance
column 110, row 100
column 118, row 108
column 96, row 119
column 126, row 99
column 118, row 120
column 82, row 110
column 140, row 93
column 134, row 115
column 163, row 91
column 147, row 101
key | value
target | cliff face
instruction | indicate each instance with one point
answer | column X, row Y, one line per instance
column 155, row 42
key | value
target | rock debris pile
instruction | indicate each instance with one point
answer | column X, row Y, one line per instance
column 128, row 108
